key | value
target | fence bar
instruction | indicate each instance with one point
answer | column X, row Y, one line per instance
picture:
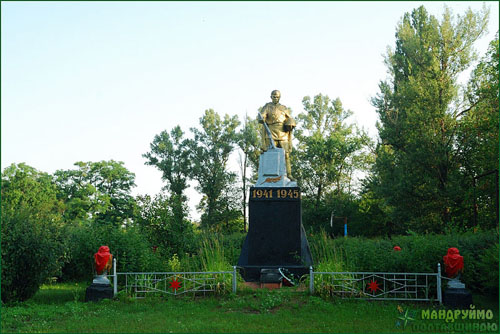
column 440, row 297
column 115, row 278
column 311, row 280
column 234, row 279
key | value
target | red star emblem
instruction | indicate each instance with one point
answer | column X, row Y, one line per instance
column 175, row 284
column 373, row 285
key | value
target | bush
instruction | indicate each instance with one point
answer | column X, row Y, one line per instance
column 128, row 246
column 422, row 253
column 33, row 240
column 31, row 252
column 162, row 221
column 488, row 266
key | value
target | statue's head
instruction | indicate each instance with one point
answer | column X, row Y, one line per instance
column 275, row 96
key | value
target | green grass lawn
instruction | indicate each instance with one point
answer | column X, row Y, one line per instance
column 60, row 308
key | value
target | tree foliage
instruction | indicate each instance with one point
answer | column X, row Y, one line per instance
column 417, row 168
column 158, row 221
column 170, row 154
column 33, row 239
column 477, row 136
column 329, row 149
column 209, row 153
column 97, row 192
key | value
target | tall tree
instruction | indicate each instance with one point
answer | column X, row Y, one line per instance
column 477, row 136
column 418, row 110
column 97, row 191
column 209, row 153
column 329, row 149
column 170, row 154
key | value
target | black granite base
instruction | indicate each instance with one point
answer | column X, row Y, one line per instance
column 276, row 237
column 457, row 298
column 96, row 292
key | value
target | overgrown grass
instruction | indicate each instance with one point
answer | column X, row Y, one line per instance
column 59, row 308
column 329, row 258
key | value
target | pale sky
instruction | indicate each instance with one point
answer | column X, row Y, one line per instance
column 92, row 81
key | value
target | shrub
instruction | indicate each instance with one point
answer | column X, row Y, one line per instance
column 31, row 252
column 33, row 240
column 488, row 266
column 128, row 246
column 161, row 220
column 422, row 253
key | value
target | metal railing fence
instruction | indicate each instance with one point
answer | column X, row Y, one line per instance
column 377, row 285
column 140, row 284
column 357, row 285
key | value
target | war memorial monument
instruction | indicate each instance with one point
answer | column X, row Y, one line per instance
column 276, row 241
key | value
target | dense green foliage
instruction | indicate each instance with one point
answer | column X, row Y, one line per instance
column 329, row 150
column 170, row 154
column 419, row 253
column 34, row 246
column 98, row 192
column 329, row 153
column 132, row 251
column 437, row 139
column 477, row 137
column 210, row 150
column 419, row 171
column 168, row 232
column 203, row 158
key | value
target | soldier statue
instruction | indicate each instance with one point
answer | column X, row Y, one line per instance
column 280, row 123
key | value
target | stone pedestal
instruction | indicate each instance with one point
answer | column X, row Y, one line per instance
column 272, row 169
column 96, row 292
column 456, row 295
column 276, row 237
column 457, row 298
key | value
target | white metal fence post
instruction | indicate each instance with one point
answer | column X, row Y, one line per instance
column 440, row 297
column 311, row 280
column 115, row 278
column 234, row 279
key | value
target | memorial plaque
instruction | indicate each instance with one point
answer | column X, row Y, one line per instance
column 271, row 166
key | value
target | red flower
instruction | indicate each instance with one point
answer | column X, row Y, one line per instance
column 397, row 248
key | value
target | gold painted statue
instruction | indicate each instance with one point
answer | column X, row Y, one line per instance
column 280, row 123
